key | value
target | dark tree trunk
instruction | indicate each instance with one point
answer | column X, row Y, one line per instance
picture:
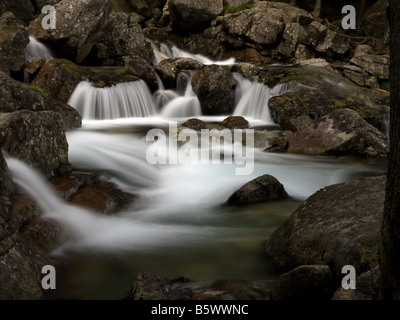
column 389, row 286
column 361, row 10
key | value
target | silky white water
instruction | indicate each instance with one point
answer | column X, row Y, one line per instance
column 35, row 49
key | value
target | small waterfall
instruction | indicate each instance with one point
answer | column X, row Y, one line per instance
column 124, row 100
column 253, row 97
column 183, row 103
column 36, row 49
column 166, row 52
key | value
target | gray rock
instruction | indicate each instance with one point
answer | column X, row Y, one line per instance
column 375, row 64
column 187, row 14
column 16, row 96
column 310, row 282
column 79, row 25
column 22, row 9
column 58, row 79
column 123, row 37
column 236, row 3
column 38, row 138
column 327, row 41
column 263, row 189
column 337, row 226
column 141, row 68
column 214, row 86
column 13, row 41
column 342, row 132
column 259, row 26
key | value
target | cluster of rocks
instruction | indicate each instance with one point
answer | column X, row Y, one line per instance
column 330, row 104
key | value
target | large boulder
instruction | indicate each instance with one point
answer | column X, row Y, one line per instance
column 371, row 62
column 326, row 41
column 17, row 96
column 342, row 132
column 316, row 92
column 37, row 138
column 58, row 79
column 122, row 37
column 375, row 22
column 141, row 68
column 215, row 87
column 79, row 25
column 13, row 40
column 260, row 26
column 263, row 189
column 187, row 14
column 337, row 226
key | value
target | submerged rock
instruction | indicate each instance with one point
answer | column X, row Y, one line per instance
column 195, row 124
column 235, row 122
column 263, row 189
column 337, row 226
column 150, row 287
column 215, row 87
column 80, row 24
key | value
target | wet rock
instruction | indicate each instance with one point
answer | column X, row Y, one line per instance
column 187, row 14
column 80, row 24
column 150, row 287
column 337, row 226
column 235, row 122
column 195, row 124
column 263, row 189
column 123, row 37
column 215, row 88
column 367, row 287
column 369, row 61
column 316, row 92
column 342, row 132
column 13, row 40
column 38, row 138
column 142, row 69
column 58, row 78
column 17, row 96
column 33, row 68
column 311, row 282
column 169, row 69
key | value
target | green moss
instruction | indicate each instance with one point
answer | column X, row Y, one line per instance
column 123, row 52
column 229, row 9
column 39, row 90
column 385, row 85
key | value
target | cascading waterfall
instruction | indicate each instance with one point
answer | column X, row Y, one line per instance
column 253, row 98
column 124, row 100
column 166, row 52
column 35, row 49
column 185, row 103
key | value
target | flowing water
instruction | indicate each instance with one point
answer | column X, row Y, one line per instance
column 178, row 225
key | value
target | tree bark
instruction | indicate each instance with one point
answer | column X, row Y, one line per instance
column 389, row 279
column 361, row 10
column 317, row 9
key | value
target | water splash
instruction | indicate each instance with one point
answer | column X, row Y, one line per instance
column 124, row 100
